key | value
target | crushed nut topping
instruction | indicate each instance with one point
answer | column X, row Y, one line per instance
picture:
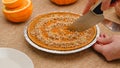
column 52, row 31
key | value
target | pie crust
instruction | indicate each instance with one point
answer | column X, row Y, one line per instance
column 50, row 31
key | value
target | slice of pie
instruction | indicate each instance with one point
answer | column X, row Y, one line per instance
column 50, row 31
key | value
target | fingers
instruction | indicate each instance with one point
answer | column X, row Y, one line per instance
column 108, row 47
column 88, row 6
column 98, row 48
column 113, row 2
column 108, row 3
column 105, row 51
column 105, row 4
column 104, row 39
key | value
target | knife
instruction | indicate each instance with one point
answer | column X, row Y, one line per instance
column 90, row 19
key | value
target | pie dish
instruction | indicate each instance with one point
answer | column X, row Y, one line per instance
column 48, row 32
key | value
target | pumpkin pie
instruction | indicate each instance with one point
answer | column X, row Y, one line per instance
column 50, row 31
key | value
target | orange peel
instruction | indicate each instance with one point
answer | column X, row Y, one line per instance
column 19, row 14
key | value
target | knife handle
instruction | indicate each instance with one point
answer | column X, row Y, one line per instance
column 97, row 9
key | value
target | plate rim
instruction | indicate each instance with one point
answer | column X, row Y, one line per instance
column 8, row 51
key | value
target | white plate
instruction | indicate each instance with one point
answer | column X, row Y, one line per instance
column 60, row 52
column 12, row 58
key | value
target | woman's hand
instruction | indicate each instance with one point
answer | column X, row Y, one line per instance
column 105, row 4
column 108, row 46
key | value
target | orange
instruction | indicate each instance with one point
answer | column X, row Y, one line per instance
column 63, row 2
column 19, row 14
column 12, row 3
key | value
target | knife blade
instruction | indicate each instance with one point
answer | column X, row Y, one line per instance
column 90, row 19
column 86, row 21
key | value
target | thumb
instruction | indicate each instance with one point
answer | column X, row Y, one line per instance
column 98, row 47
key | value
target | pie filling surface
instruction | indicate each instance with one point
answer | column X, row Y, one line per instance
column 50, row 31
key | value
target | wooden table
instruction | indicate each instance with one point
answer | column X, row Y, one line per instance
column 11, row 35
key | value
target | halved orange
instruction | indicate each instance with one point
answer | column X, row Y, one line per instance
column 19, row 14
column 12, row 3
